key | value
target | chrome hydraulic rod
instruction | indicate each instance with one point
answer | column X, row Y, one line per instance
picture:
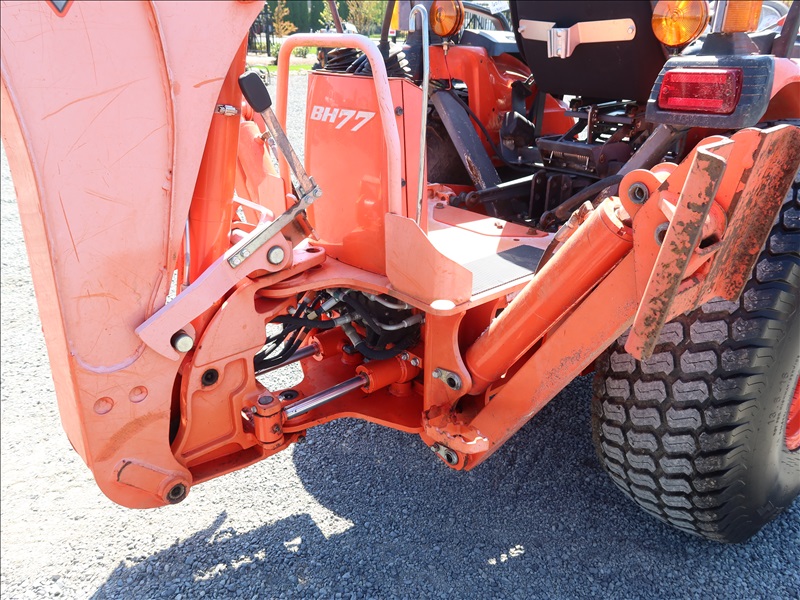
column 302, row 353
column 316, row 400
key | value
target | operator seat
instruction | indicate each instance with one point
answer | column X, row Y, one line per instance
column 600, row 71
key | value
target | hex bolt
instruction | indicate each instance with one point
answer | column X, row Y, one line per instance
column 236, row 261
column 182, row 341
column 414, row 362
column 436, row 373
column 398, row 111
column 638, row 193
column 275, row 255
column 404, row 356
column 276, row 428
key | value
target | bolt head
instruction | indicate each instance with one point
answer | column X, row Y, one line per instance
column 275, row 255
column 437, row 373
column 236, row 261
column 414, row 362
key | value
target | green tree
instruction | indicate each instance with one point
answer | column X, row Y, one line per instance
column 315, row 14
column 282, row 26
column 298, row 14
column 366, row 15
column 325, row 16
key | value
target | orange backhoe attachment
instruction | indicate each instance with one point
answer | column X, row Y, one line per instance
column 138, row 167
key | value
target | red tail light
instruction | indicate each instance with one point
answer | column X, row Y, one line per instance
column 701, row 90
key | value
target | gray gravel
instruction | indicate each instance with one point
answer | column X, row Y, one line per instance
column 357, row 512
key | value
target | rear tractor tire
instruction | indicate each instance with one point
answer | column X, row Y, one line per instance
column 705, row 434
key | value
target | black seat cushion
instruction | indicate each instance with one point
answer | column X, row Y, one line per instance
column 600, row 71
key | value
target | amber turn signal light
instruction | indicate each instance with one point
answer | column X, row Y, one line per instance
column 741, row 15
column 447, row 17
column 676, row 23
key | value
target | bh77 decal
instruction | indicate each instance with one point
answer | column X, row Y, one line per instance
column 344, row 116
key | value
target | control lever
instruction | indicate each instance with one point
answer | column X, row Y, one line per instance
column 256, row 94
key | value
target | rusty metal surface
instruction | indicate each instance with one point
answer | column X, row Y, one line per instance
column 680, row 241
column 753, row 210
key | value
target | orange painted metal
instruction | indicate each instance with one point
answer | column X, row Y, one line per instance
column 343, row 110
column 211, row 209
column 567, row 350
column 385, row 106
column 793, row 420
column 785, row 93
column 679, row 243
column 599, row 244
column 765, row 159
column 488, row 80
column 109, row 160
column 257, row 179
column 105, row 145
column 383, row 373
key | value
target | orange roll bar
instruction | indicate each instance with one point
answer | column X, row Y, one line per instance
column 599, row 244
column 385, row 104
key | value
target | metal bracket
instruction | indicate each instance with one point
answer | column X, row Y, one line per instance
column 262, row 234
column 450, row 379
column 562, row 41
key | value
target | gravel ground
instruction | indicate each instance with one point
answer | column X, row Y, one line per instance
column 357, row 512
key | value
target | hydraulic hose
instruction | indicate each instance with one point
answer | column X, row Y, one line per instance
column 563, row 210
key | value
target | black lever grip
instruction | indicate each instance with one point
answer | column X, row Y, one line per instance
column 254, row 91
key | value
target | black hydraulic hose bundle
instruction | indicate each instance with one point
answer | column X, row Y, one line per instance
column 297, row 326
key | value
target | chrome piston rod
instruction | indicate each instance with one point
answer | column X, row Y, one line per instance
column 315, row 400
column 302, row 353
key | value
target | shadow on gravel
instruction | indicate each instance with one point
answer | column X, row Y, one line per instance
column 540, row 519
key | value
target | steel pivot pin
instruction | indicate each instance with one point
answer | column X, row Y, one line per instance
column 275, row 255
column 182, row 341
